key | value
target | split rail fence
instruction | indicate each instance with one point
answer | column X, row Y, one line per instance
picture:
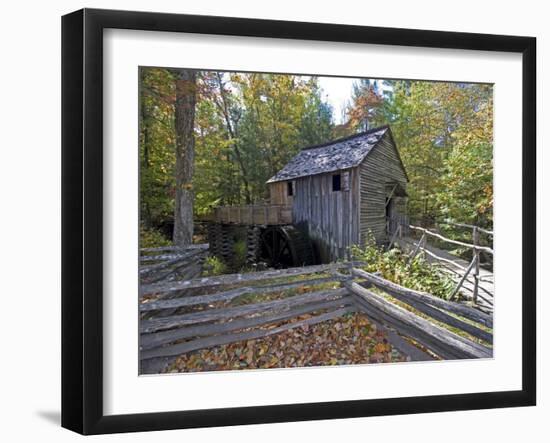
column 184, row 316
column 463, row 272
column 171, row 262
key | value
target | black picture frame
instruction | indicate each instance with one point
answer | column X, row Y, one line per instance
column 82, row 218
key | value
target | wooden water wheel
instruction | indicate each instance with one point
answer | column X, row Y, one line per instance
column 285, row 246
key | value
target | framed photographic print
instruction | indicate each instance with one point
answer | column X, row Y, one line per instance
column 269, row 221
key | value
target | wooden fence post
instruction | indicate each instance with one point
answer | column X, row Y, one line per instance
column 417, row 248
column 463, row 279
column 475, row 235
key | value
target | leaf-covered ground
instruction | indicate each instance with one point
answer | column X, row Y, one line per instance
column 351, row 339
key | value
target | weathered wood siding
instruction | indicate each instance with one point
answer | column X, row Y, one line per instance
column 380, row 168
column 278, row 193
column 330, row 218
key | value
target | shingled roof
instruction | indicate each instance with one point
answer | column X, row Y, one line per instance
column 339, row 154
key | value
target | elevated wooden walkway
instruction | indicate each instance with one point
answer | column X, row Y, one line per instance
column 253, row 215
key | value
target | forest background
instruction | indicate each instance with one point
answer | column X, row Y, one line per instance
column 232, row 131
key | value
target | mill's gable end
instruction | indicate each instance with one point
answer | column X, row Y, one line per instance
column 343, row 191
column 344, row 153
column 382, row 189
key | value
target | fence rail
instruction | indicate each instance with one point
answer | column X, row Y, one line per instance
column 467, row 226
column 473, row 268
column 172, row 326
column 170, row 262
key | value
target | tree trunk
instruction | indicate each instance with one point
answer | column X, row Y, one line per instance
column 186, row 86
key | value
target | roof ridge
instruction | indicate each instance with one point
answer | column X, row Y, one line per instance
column 343, row 139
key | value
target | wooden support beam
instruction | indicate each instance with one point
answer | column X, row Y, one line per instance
column 390, row 196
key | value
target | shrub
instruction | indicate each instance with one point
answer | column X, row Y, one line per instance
column 151, row 238
column 394, row 265
column 214, row 266
column 239, row 257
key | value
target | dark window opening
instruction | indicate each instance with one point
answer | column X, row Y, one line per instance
column 336, row 182
column 289, row 188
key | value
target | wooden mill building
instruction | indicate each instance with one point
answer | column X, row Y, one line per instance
column 342, row 190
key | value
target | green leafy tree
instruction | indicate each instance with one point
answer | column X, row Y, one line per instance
column 157, row 146
column 445, row 138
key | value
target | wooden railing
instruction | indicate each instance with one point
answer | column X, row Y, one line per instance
column 253, row 215
column 472, row 268
column 170, row 325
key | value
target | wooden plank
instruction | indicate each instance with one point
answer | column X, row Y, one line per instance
column 403, row 346
column 155, row 365
column 153, row 340
column 232, row 279
column 458, row 309
column 406, row 348
column 274, row 214
column 158, row 257
column 195, row 257
column 187, row 256
column 422, row 330
column 144, row 270
column 230, row 294
column 188, row 268
column 405, row 330
column 441, row 316
column 176, row 248
column 177, row 321
column 444, row 317
column 208, row 342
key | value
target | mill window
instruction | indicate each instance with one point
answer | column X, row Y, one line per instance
column 336, row 182
column 290, row 188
